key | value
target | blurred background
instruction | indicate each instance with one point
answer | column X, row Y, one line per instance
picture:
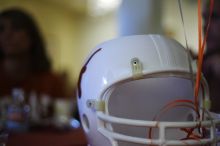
column 72, row 28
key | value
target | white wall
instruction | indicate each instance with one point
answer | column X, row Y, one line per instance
column 172, row 22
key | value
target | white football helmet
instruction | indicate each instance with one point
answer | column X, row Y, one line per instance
column 138, row 91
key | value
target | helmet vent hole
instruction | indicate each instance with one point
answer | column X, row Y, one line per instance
column 85, row 123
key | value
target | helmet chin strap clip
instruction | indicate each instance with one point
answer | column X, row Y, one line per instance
column 137, row 68
column 96, row 105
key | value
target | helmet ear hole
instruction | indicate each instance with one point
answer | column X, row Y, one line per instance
column 85, row 123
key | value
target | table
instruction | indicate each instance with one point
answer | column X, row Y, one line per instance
column 73, row 137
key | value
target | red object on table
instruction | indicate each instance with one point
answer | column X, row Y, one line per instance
column 73, row 137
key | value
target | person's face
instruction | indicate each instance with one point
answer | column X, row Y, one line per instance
column 213, row 40
column 13, row 40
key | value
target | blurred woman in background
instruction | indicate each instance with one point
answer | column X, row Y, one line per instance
column 24, row 62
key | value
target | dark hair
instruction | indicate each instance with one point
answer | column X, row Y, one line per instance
column 20, row 19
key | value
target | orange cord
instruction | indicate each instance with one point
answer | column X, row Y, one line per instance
column 176, row 103
column 188, row 103
column 201, row 45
